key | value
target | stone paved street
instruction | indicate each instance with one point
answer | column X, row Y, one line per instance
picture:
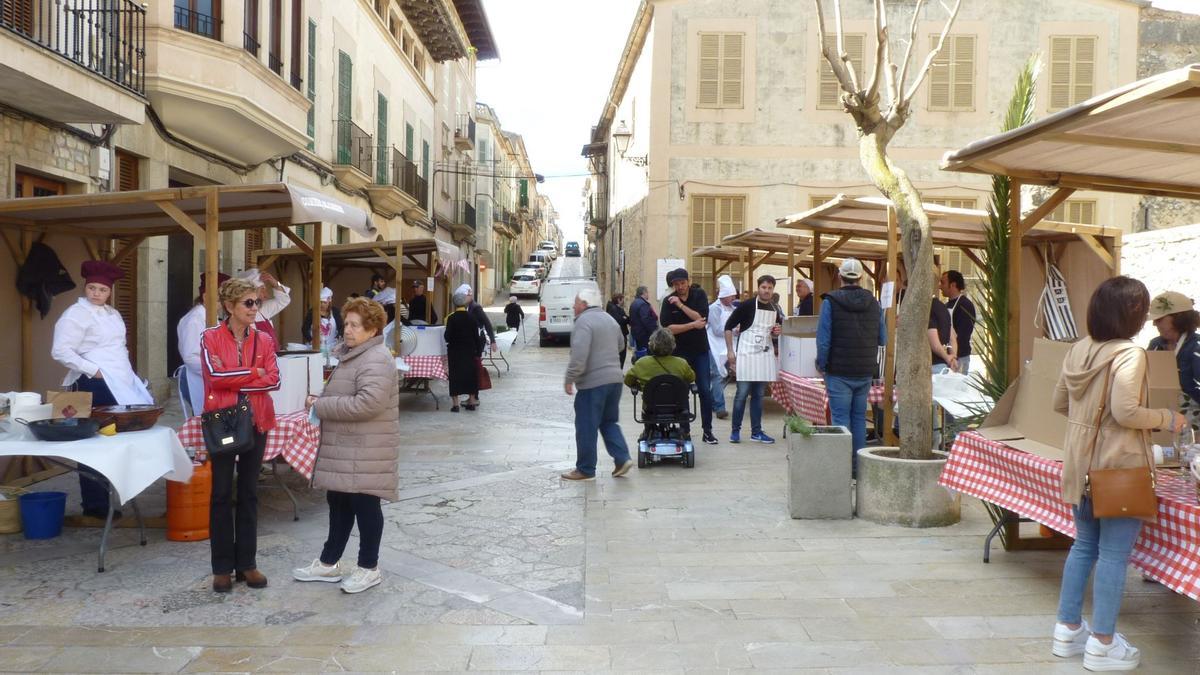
column 492, row 564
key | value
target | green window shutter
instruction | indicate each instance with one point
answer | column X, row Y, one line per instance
column 381, row 113
column 408, row 142
column 344, row 88
column 312, row 84
column 425, row 159
column 524, row 200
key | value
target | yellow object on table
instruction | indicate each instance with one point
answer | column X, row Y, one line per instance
column 109, row 430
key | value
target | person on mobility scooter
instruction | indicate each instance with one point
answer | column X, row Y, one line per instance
column 665, row 382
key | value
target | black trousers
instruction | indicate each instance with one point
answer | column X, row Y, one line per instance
column 92, row 493
column 344, row 509
column 234, row 537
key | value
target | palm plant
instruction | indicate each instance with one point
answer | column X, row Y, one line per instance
column 992, row 328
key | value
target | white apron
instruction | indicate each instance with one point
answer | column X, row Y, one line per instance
column 103, row 344
column 756, row 360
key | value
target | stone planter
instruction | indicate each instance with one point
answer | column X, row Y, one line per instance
column 819, row 474
column 894, row 491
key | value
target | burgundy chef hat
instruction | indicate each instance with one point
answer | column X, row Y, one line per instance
column 221, row 278
column 100, row 272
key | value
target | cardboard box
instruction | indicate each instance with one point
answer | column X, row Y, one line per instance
column 1024, row 417
column 67, row 404
column 801, row 326
column 798, row 355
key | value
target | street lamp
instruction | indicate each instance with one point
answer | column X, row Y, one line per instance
column 621, row 137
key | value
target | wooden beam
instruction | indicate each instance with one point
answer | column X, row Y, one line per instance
column 265, row 263
column 818, row 276
column 87, row 200
column 792, row 282
column 183, row 220
column 889, row 350
column 17, row 254
column 836, row 245
column 315, row 283
column 1060, row 195
column 26, row 320
column 295, row 239
column 212, row 249
column 1125, row 143
column 722, row 267
column 1095, row 247
column 972, row 256
column 1014, row 278
column 762, row 259
column 90, row 245
column 399, row 267
column 129, row 249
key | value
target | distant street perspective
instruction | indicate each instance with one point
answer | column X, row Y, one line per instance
column 637, row 336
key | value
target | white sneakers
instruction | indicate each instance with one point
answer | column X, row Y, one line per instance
column 362, row 579
column 1119, row 655
column 318, row 571
column 1067, row 642
column 359, row 580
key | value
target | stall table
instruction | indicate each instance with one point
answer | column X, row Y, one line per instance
column 422, row 369
column 126, row 463
column 1167, row 551
column 806, row 396
column 293, row 438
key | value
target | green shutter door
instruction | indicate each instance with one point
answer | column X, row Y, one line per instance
column 312, row 84
column 381, row 174
column 408, row 142
column 425, row 159
column 345, row 75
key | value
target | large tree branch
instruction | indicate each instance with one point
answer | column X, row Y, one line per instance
column 882, row 54
column 925, row 67
column 898, row 84
column 831, row 52
column 841, row 47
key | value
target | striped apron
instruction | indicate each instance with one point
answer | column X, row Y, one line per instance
column 755, row 352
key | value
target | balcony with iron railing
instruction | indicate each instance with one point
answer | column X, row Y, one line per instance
column 250, row 44
column 597, row 210
column 354, row 155
column 275, row 63
column 195, row 22
column 464, row 132
column 396, row 186
column 105, row 38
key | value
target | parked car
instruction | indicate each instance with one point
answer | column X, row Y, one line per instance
column 556, row 315
column 542, row 269
column 541, row 257
column 549, row 249
column 573, row 249
column 525, row 282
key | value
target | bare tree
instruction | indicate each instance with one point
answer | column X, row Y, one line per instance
column 878, row 121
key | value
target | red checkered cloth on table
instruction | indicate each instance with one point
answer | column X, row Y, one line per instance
column 805, row 396
column 1168, row 550
column 293, row 438
column 430, row 366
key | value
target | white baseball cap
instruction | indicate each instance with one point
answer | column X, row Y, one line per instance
column 851, row 269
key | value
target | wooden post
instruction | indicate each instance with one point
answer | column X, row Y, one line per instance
column 818, row 275
column 316, row 281
column 26, row 319
column 1014, row 279
column 399, row 265
column 433, row 265
column 212, row 250
column 889, row 359
column 791, row 278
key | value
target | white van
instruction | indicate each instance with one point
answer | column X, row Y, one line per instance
column 557, row 313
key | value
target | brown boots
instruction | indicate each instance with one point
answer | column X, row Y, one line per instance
column 223, row 583
column 253, row 578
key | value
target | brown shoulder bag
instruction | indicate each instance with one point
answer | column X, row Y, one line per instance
column 1119, row 493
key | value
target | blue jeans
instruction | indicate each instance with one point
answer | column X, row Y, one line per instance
column 848, row 408
column 754, row 390
column 700, row 365
column 716, row 385
column 598, row 409
column 92, row 493
column 1103, row 543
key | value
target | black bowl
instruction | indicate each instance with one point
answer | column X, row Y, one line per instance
column 74, row 429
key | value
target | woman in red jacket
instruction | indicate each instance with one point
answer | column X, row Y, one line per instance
column 238, row 359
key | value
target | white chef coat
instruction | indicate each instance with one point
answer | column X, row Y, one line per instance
column 718, row 314
column 90, row 338
column 275, row 304
column 190, row 329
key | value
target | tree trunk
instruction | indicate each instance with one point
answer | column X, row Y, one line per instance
column 913, row 357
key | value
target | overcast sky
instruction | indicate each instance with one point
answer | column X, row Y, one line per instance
column 557, row 59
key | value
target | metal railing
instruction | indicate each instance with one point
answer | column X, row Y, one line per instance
column 250, row 44
column 597, row 210
column 195, row 22
column 107, row 37
column 275, row 64
column 406, row 178
column 468, row 215
column 465, row 127
column 353, row 147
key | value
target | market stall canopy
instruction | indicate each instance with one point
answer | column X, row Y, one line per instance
column 774, row 241
column 147, row 213
column 368, row 253
column 1142, row 138
column 867, row 218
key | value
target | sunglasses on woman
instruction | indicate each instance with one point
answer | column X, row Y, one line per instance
column 251, row 303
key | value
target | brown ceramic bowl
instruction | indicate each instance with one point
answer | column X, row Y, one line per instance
column 128, row 417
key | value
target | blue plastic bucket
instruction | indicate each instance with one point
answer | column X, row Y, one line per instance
column 42, row 514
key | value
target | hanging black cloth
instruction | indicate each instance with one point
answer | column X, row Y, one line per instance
column 42, row 277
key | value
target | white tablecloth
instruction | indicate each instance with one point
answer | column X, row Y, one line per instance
column 131, row 461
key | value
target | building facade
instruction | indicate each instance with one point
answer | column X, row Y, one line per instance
column 723, row 117
column 361, row 100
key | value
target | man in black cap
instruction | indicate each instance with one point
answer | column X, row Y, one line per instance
column 420, row 305
column 685, row 314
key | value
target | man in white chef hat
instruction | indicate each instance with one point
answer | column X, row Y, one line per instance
column 718, row 313
column 331, row 321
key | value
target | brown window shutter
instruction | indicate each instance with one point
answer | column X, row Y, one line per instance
column 710, row 70
column 18, row 15
column 128, row 177
column 254, row 242
column 125, row 299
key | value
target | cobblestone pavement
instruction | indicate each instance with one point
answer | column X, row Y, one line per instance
column 491, row 563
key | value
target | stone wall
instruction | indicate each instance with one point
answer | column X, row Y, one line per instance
column 1164, row 260
column 1167, row 40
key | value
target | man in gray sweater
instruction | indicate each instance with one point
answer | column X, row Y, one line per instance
column 596, row 370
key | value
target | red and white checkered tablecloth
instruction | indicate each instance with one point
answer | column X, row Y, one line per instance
column 806, row 397
column 430, row 366
column 1168, row 550
column 293, row 438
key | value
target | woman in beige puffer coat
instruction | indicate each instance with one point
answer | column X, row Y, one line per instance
column 359, row 453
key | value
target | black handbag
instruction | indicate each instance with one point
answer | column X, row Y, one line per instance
column 230, row 431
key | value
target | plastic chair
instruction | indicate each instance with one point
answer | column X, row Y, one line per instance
column 185, row 395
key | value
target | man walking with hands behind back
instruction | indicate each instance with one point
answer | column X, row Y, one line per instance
column 594, row 368
column 685, row 314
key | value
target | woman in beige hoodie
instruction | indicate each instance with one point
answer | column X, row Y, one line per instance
column 1106, row 362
